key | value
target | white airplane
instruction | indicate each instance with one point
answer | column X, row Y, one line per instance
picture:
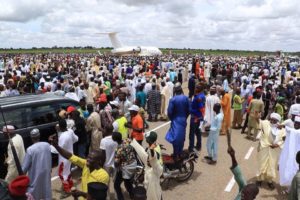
column 120, row 49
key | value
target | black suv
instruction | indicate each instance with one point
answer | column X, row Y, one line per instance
column 28, row 112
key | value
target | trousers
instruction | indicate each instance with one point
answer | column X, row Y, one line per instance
column 212, row 144
column 195, row 131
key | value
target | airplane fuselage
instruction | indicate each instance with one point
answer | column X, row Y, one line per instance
column 137, row 50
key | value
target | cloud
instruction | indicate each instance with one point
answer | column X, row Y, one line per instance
column 233, row 24
column 24, row 10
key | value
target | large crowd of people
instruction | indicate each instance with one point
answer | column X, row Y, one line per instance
column 119, row 96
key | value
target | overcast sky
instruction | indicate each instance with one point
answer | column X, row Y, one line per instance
column 205, row 24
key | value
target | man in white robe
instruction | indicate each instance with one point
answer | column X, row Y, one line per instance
column 211, row 100
column 288, row 167
column 295, row 106
column 18, row 143
column 153, row 167
column 170, row 86
column 269, row 148
column 66, row 140
column 38, row 164
column 93, row 126
column 165, row 98
column 207, row 70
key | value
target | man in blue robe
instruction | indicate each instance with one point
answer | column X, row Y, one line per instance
column 178, row 112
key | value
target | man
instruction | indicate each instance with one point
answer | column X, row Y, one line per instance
column 246, row 192
column 267, row 97
column 125, row 162
column 38, row 164
column 211, row 100
column 153, row 167
column 225, row 103
column 124, row 104
column 92, row 167
column 153, row 103
column 12, row 172
column 237, row 107
column 279, row 106
column 294, row 192
column 178, row 112
column 191, row 86
column 250, row 98
column 137, row 124
column 287, row 164
column 269, row 148
column 165, row 97
column 93, row 126
column 67, row 138
column 256, row 108
column 82, row 110
column 141, row 97
column 225, row 84
column 119, row 123
column 108, row 146
column 212, row 140
column 59, row 91
column 72, row 95
column 197, row 116
column 296, row 106
column 82, row 94
column 170, row 85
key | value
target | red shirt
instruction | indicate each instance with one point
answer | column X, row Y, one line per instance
column 138, row 123
column 102, row 98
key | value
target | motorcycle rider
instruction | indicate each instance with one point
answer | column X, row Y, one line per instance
column 152, row 161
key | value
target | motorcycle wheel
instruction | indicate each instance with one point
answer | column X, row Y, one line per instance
column 187, row 171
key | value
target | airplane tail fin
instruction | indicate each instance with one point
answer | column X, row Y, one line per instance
column 116, row 43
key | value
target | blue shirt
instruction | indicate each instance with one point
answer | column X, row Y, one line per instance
column 141, row 96
column 197, row 105
column 172, row 76
column 225, row 85
column 216, row 122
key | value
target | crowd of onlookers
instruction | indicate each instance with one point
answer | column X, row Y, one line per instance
column 117, row 98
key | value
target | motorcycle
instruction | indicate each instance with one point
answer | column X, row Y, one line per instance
column 180, row 170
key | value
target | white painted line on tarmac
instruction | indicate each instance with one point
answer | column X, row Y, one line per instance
column 232, row 181
column 247, row 156
column 159, row 126
column 164, row 124
column 230, row 185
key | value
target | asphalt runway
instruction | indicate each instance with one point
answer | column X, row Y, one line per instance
column 208, row 182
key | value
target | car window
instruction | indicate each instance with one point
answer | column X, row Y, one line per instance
column 16, row 117
column 42, row 115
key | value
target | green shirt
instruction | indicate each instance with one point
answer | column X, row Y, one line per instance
column 279, row 109
column 237, row 102
column 107, row 91
column 240, row 180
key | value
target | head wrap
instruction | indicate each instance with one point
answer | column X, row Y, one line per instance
column 8, row 128
column 18, row 186
column 275, row 116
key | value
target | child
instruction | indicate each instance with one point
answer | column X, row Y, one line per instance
column 212, row 141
